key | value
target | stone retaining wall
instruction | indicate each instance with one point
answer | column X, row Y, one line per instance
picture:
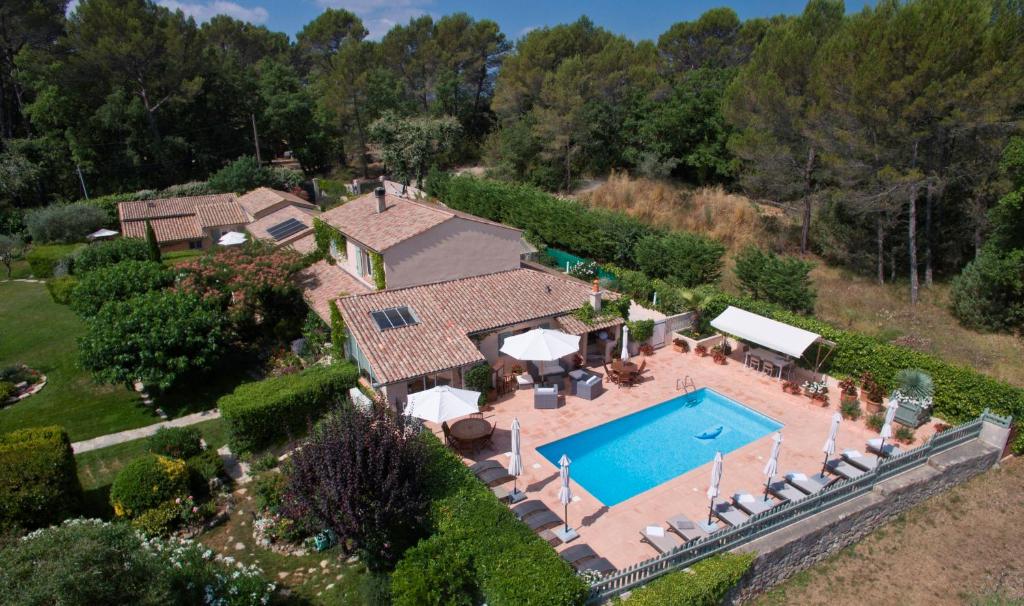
column 798, row 546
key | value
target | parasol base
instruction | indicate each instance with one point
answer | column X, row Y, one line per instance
column 565, row 535
column 516, row 495
column 709, row 528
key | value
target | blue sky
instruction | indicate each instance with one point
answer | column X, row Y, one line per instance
column 636, row 19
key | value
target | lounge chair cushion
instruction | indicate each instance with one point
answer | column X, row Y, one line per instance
column 654, row 531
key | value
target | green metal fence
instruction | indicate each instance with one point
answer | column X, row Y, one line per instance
column 785, row 514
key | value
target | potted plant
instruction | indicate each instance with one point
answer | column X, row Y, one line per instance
column 680, row 345
column 817, row 390
column 913, row 393
column 647, row 349
column 871, row 392
column 516, row 370
column 848, row 392
column 718, row 354
column 791, row 387
column 700, row 350
column 850, row 409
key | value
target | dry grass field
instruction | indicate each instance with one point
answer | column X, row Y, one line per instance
column 845, row 299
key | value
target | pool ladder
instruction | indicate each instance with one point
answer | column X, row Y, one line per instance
column 686, row 384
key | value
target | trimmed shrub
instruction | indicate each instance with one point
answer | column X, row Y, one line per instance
column 175, row 442
column 689, row 259
column 204, row 467
column 782, row 280
column 62, row 289
column 110, row 252
column 38, row 478
column 118, row 283
column 148, row 482
column 961, row 393
column 512, row 565
column 63, row 222
column 43, row 260
column 264, row 412
column 159, row 521
column 437, row 572
column 478, row 379
column 706, row 584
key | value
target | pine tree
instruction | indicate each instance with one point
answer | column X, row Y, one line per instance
column 154, row 246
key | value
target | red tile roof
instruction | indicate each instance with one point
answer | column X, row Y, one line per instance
column 168, row 207
column 224, row 213
column 170, row 229
column 259, row 227
column 402, row 219
column 322, row 282
column 262, row 198
column 448, row 313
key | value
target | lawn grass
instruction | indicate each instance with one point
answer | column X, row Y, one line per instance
column 97, row 468
column 42, row 334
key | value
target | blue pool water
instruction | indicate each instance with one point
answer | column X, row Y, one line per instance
column 627, row 456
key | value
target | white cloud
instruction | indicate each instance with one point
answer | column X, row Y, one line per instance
column 380, row 15
column 203, row 11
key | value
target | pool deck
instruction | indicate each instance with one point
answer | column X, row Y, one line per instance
column 613, row 532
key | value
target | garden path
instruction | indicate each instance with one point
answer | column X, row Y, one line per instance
column 142, row 432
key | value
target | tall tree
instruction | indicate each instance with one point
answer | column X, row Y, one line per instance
column 322, row 38
column 24, row 25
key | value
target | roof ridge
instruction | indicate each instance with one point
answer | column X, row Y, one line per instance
column 428, row 284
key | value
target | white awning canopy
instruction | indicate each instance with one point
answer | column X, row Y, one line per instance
column 772, row 334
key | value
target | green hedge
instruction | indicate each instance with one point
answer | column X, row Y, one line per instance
column 110, row 252
column 436, row 572
column 961, row 393
column 38, row 478
column 705, row 584
column 42, row 260
column 602, row 235
column 262, row 413
column 61, row 289
column 512, row 565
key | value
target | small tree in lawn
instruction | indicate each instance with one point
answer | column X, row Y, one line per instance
column 154, row 337
column 154, row 246
column 360, row 474
column 10, row 249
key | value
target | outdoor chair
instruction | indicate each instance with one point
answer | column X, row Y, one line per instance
column 590, row 388
column 784, row 492
column 751, row 504
column 611, row 374
column 475, row 415
column 754, row 362
column 524, row 380
column 844, row 470
column 545, row 397
column 583, row 557
column 686, row 528
column 768, row 368
column 493, row 477
column 729, row 514
column 489, row 439
column 448, row 440
column 643, row 367
column 889, row 450
column 655, row 536
column 485, row 465
column 867, row 462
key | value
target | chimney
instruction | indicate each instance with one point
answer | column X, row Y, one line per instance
column 595, row 296
column 381, row 204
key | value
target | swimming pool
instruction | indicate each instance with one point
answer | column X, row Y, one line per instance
column 624, row 457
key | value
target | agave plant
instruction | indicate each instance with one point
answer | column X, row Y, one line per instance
column 915, row 383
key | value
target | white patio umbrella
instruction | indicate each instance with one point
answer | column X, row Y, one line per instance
column 625, row 344
column 716, row 479
column 886, row 431
column 541, row 345
column 442, row 403
column 515, row 461
column 829, row 448
column 102, row 233
column 232, row 238
column 564, row 491
column 772, row 466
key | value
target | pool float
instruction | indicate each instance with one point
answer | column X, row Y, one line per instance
column 710, row 433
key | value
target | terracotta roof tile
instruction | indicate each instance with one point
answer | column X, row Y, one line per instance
column 262, row 198
column 170, row 229
column 168, row 207
column 259, row 227
column 448, row 313
column 224, row 213
column 321, row 282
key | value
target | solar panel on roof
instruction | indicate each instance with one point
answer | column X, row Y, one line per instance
column 393, row 317
column 286, row 228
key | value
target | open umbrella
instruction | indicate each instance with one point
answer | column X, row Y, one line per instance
column 716, row 479
column 232, row 238
column 515, row 462
column 102, row 233
column 565, row 497
column 829, row 448
column 541, row 344
column 441, row 403
column 886, row 431
column 772, row 466
column 625, row 344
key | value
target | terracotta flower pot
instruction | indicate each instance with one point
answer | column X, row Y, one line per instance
column 872, row 407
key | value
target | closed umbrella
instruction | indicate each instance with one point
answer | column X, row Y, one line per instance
column 515, row 461
column 716, row 479
column 541, row 344
column 772, row 466
column 886, row 431
column 442, row 403
column 829, row 448
column 625, row 344
column 565, row 497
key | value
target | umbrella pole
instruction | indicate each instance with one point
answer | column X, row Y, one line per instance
column 766, row 486
column 824, row 465
column 566, row 518
column 881, row 446
column 711, row 509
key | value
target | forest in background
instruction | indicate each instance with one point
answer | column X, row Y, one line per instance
column 888, row 131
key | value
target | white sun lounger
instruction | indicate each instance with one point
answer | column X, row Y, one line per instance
column 685, row 527
column 808, row 485
column 867, row 462
column 890, row 449
column 729, row 514
column 751, row 504
column 785, row 492
column 844, row 470
column 663, row 542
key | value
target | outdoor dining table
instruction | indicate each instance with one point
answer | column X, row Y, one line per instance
column 624, row 367
column 781, row 362
column 470, row 431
